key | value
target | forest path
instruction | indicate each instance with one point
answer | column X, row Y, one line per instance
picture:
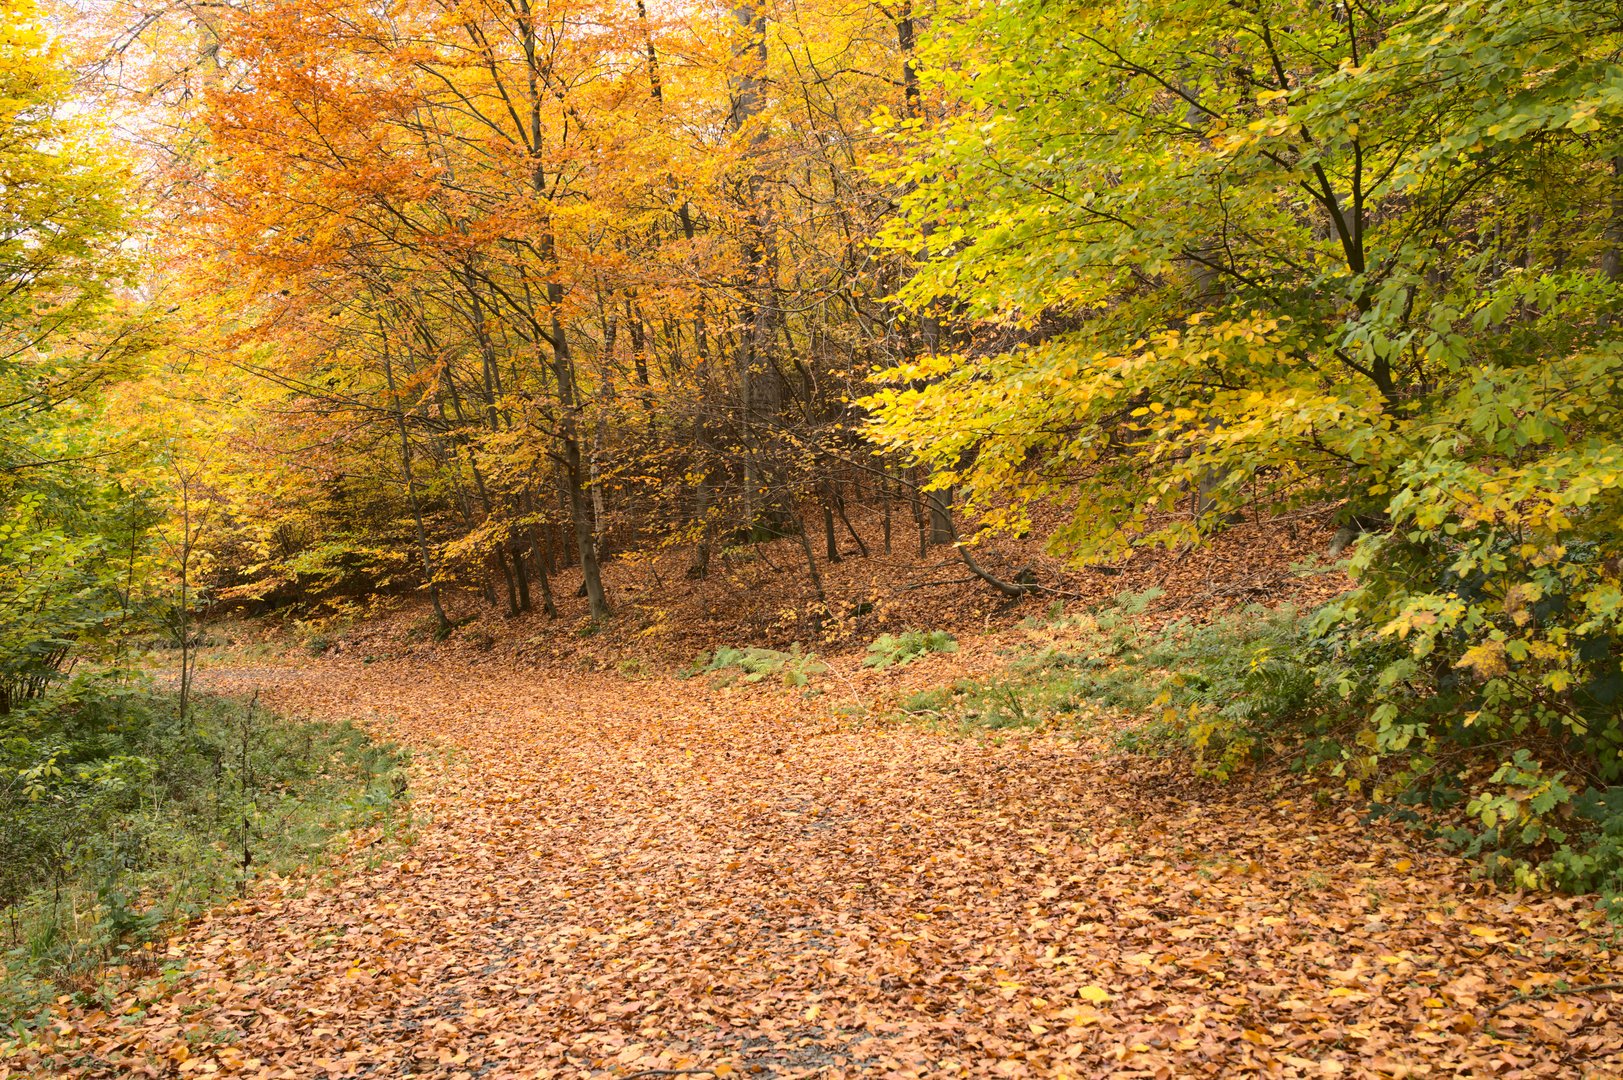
column 614, row 876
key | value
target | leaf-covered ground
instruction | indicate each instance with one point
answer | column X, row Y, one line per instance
column 612, row 877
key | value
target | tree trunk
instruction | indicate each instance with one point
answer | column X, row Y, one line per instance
column 884, row 494
column 1611, row 259
column 540, row 555
column 521, row 577
column 500, row 556
column 919, row 520
column 811, row 559
column 839, row 508
column 829, row 544
column 700, row 567
column 441, row 623
column 941, row 530
column 758, row 377
column 585, row 542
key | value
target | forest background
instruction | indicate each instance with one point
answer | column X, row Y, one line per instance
column 303, row 305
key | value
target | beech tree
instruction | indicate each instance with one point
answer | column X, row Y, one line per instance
column 1218, row 258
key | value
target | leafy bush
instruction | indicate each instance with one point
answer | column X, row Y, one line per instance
column 1326, row 695
column 119, row 817
column 751, row 665
column 894, row 650
column 1316, row 692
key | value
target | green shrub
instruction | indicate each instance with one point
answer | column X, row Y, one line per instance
column 1356, row 707
column 1328, row 699
column 894, row 650
column 751, row 665
column 119, row 818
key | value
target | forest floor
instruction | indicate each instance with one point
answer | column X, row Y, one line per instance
column 617, row 877
column 618, row 873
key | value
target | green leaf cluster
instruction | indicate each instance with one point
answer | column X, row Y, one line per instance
column 68, row 524
column 752, row 664
column 896, row 650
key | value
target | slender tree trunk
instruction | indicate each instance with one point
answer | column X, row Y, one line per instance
column 830, row 543
column 599, row 512
column 811, row 559
column 541, row 556
column 185, row 595
column 758, row 391
column 884, row 494
column 906, row 43
column 1611, row 259
column 839, row 508
column 521, row 577
column 919, row 519
column 441, row 623
column 585, row 543
column 701, row 552
column 498, row 554
column 941, row 530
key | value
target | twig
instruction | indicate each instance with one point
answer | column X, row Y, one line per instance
column 867, row 710
column 670, row 1072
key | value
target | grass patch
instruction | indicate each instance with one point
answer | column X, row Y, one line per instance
column 1214, row 690
column 121, row 819
column 1045, row 689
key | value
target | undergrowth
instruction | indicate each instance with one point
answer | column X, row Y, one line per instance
column 1305, row 691
column 120, row 818
column 751, row 665
column 896, row 650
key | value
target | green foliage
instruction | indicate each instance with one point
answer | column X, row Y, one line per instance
column 1033, row 692
column 1228, row 690
column 1306, row 689
column 119, row 819
column 1261, row 254
column 1215, row 256
column 70, row 533
column 61, row 207
column 751, row 665
column 1277, row 683
column 895, row 650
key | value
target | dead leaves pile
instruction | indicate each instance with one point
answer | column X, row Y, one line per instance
column 612, row 877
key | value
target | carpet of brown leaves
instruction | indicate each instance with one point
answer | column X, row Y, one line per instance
column 761, row 595
column 616, row 876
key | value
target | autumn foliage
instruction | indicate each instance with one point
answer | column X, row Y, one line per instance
column 581, row 317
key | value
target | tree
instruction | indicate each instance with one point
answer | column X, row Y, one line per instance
column 62, row 515
column 610, row 260
column 1278, row 253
